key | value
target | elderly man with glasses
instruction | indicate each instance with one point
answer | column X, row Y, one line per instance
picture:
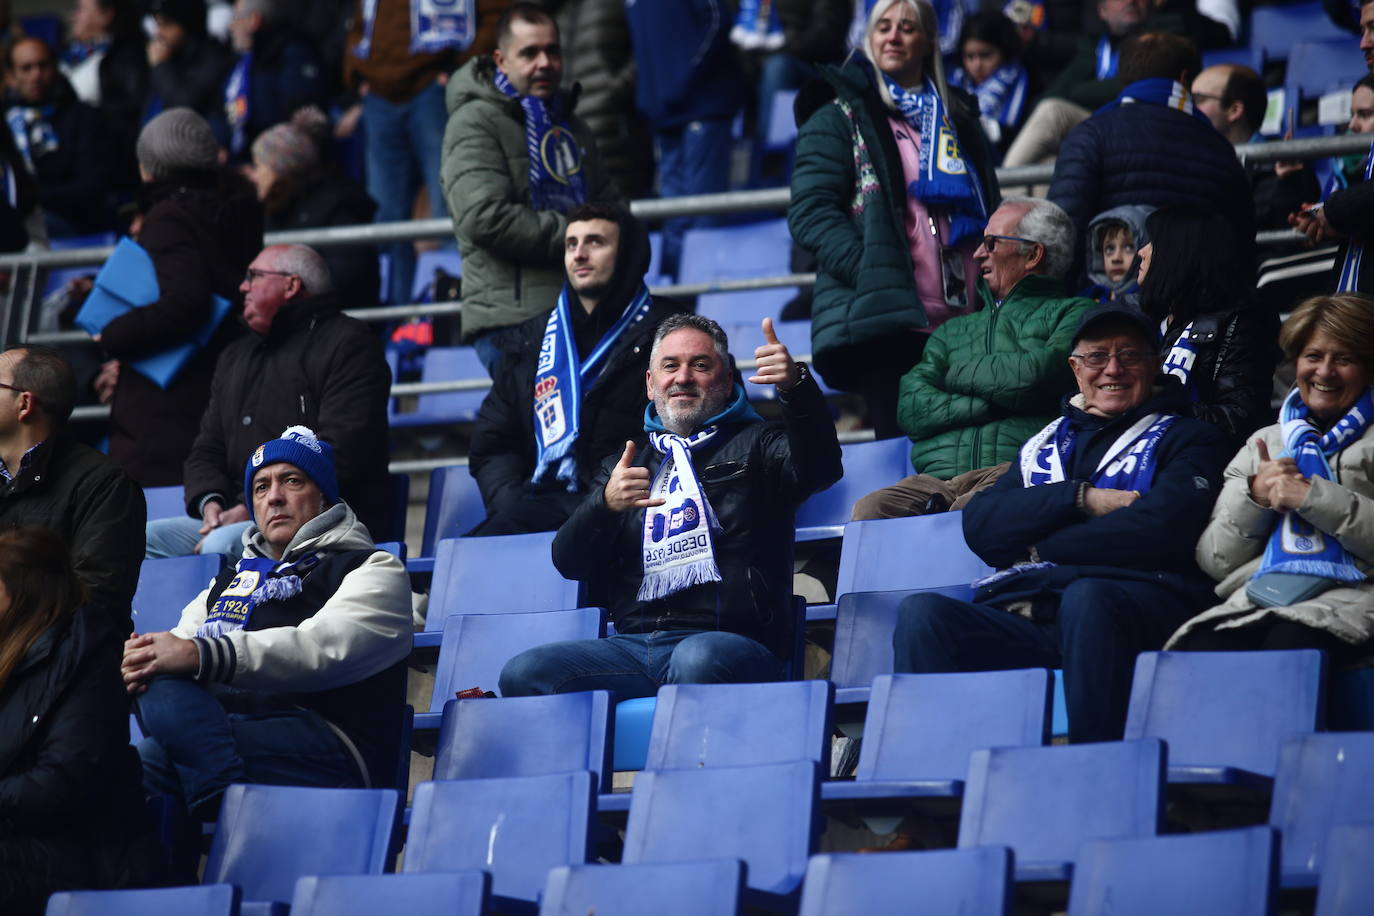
column 304, row 364
column 990, row 378
column 1092, row 533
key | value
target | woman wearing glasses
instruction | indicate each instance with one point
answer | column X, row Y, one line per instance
column 1291, row 542
column 892, row 187
column 1215, row 339
column 201, row 225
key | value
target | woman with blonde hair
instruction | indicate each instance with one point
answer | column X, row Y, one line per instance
column 1291, row 540
column 891, row 191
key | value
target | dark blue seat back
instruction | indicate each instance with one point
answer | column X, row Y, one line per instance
column 734, row 252
column 1221, row 873
column 454, row 894
column 1205, row 704
column 971, row 882
column 924, row 726
column 710, row 725
column 863, row 632
column 165, row 502
column 167, row 585
column 925, row 551
column 1323, row 780
column 453, row 507
column 496, row 575
column 1276, row 29
column 516, row 829
column 1347, row 882
column 526, row 736
column 268, row 837
column 205, row 900
column 668, row 889
column 447, row 364
column 867, row 466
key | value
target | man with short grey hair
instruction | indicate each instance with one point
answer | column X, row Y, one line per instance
column 304, row 364
column 989, row 379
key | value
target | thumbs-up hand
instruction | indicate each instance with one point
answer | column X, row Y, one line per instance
column 628, row 487
column 774, row 365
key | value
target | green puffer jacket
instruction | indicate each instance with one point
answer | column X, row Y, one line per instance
column 990, row 380
column 849, row 209
column 512, row 253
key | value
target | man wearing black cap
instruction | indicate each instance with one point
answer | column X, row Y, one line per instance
column 572, row 390
column 1092, row 533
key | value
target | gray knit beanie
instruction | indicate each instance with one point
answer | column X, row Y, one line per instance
column 178, row 140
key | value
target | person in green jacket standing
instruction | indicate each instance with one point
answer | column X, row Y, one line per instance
column 989, row 380
column 892, row 185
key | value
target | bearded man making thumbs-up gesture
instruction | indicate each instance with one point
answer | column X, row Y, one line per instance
column 687, row 540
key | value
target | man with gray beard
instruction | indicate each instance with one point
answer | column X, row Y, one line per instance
column 688, row 541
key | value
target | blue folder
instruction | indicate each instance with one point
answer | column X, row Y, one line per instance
column 129, row 281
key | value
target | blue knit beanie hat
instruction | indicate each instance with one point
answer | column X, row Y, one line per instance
column 299, row 446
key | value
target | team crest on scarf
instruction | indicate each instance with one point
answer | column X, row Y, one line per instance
column 434, row 26
column 1129, row 464
column 678, row 550
column 559, row 153
column 256, row 580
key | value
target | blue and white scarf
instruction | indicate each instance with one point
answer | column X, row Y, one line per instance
column 677, row 543
column 560, row 382
column 1129, row 464
column 31, row 127
column 1157, row 91
column 757, row 27
column 434, row 26
column 1001, row 97
column 1349, row 277
column 556, row 178
column 257, row 580
column 1106, row 59
column 1181, row 358
column 1295, row 546
column 78, row 52
column 236, row 102
column 946, row 178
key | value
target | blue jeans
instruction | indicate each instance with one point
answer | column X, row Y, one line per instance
column 196, row 747
column 404, row 149
column 1101, row 626
column 177, row 537
column 693, row 159
column 633, row 665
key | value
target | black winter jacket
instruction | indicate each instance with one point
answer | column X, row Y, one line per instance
column 193, row 77
column 84, row 497
column 315, row 367
column 71, row 803
column 75, row 179
column 201, row 232
column 1351, row 211
column 1153, row 538
column 754, row 475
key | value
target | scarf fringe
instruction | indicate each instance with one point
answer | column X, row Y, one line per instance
column 674, row 579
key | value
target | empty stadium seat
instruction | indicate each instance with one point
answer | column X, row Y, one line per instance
column 1275, row 30
column 921, row 729
column 516, row 829
column 447, row 364
column 1044, row 802
column 1347, row 881
column 1224, row 715
column 526, row 736
column 1218, row 873
column 1316, row 68
column 166, row 585
column 1323, row 780
column 449, row 260
column 481, row 575
column 206, row 900
column 477, row 646
column 735, row 252
column 764, row 815
column 268, row 837
column 970, row 882
column 462, row 893
column 165, row 502
column 452, row 508
column 867, row 466
column 671, row 889
column 746, row 307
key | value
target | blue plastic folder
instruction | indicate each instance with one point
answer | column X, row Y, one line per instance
column 129, row 281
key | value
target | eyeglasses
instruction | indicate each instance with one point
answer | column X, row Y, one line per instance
column 1126, row 359
column 990, row 241
column 253, row 274
column 12, row 388
column 1204, row 96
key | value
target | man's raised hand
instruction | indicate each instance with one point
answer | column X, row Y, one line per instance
column 628, row 487
column 774, row 365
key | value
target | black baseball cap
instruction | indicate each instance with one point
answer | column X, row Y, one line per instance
column 1117, row 313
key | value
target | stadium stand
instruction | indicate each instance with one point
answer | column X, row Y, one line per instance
column 972, row 882
column 205, row 900
column 1322, row 781
column 666, row 889
column 453, row 894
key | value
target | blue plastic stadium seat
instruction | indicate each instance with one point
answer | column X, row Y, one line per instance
column 764, row 815
column 634, row 720
column 479, row 575
column 453, row 507
column 1276, row 29
column 206, row 900
column 735, row 252
column 1203, row 705
column 747, row 307
column 1347, row 882
column 1323, row 780
column 1352, row 701
column 921, row 729
column 516, row 829
column 677, row 889
column 867, row 466
column 462, row 893
column 526, row 736
column 477, row 646
column 1220, row 873
column 446, row 364
column 166, row 585
column 1044, row 802
column 426, row 262
column 165, row 502
column 268, row 837
column 970, row 882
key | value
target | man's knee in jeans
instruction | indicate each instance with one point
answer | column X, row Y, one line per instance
column 722, row 658
column 531, row 673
